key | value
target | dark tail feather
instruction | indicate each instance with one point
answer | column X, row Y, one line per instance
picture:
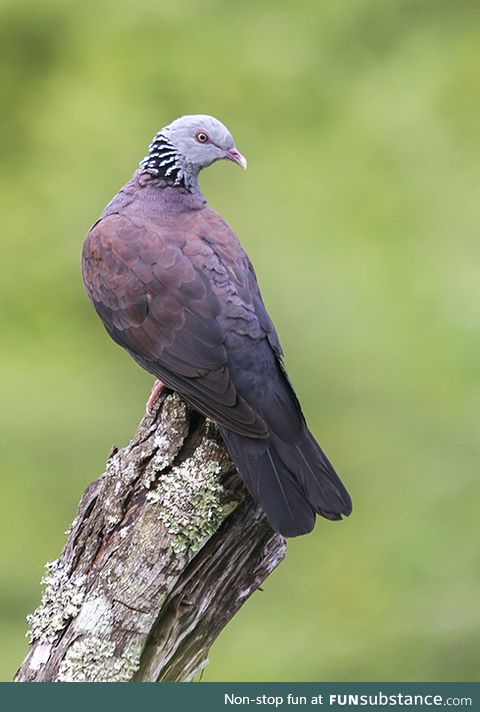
column 321, row 484
column 290, row 481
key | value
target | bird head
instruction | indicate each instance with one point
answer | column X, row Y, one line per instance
column 180, row 150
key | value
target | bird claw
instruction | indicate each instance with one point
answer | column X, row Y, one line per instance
column 158, row 387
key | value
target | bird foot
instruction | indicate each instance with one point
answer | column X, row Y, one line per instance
column 158, row 387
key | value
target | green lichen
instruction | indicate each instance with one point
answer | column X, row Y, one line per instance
column 192, row 499
column 93, row 659
column 61, row 601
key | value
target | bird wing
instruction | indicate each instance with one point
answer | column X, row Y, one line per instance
column 155, row 287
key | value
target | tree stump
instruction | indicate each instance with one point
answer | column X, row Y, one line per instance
column 166, row 547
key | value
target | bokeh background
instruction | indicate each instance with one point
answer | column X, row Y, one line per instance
column 360, row 210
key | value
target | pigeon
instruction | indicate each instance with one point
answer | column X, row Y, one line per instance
column 174, row 287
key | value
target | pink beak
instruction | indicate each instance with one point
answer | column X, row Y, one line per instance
column 233, row 155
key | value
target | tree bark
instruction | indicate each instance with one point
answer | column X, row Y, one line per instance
column 166, row 547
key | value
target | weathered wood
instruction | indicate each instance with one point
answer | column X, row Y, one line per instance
column 166, row 547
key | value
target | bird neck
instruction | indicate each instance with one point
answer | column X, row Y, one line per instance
column 164, row 161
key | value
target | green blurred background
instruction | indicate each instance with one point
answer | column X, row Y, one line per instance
column 360, row 211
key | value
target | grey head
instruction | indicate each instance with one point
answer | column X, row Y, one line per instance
column 180, row 150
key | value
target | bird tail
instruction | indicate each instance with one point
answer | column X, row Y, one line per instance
column 292, row 481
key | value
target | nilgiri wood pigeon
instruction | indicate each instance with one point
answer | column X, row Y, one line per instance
column 173, row 286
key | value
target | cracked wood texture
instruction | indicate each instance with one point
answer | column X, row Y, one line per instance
column 165, row 548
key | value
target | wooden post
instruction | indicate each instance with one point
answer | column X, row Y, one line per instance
column 165, row 548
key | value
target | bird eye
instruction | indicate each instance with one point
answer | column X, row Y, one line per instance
column 202, row 137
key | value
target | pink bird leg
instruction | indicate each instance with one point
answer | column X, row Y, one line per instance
column 158, row 387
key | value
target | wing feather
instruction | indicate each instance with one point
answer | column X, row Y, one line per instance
column 156, row 300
